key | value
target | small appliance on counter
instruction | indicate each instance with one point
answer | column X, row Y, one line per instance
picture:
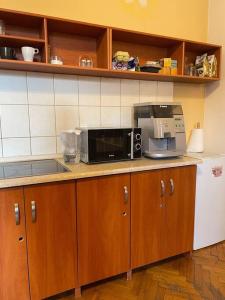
column 71, row 145
column 110, row 144
column 163, row 130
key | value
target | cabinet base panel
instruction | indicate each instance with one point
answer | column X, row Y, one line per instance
column 77, row 293
column 129, row 275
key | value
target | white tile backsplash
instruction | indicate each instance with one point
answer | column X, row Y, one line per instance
column 14, row 121
column 67, row 117
column 16, row 147
column 58, row 145
column 1, row 150
column 40, row 89
column 89, row 91
column 148, row 91
column 13, row 87
column 43, row 145
column 130, row 92
column 66, row 89
column 89, row 116
column 126, row 116
column 165, row 91
column 42, row 120
column 110, row 116
column 37, row 107
column 110, row 92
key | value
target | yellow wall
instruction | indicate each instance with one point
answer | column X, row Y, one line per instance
column 215, row 93
column 179, row 18
column 183, row 18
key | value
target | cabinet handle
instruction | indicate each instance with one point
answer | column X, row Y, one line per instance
column 33, row 211
column 171, row 186
column 17, row 213
column 126, row 194
column 163, row 188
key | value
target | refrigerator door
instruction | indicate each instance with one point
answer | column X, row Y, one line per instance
column 210, row 202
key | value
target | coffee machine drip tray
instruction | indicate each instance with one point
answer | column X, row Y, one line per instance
column 31, row 168
column 163, row 154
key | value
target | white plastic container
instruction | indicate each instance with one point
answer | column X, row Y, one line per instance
column 71, row 145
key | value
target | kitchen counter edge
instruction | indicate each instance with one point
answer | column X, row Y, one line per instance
column 81, row 170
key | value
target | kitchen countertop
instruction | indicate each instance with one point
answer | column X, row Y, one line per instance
column 82, row 170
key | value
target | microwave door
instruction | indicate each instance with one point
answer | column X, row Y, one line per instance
column 110, row 145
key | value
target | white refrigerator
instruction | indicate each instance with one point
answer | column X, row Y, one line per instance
column 210, row 201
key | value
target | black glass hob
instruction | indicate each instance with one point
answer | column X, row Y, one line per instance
column 31, row 168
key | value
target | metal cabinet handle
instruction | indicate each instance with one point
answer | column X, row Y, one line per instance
column 33, row 211
column 126, row 194
column 171, row 186
column 163, row 188
column 17, row 213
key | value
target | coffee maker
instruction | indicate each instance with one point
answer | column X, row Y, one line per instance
column 163, row 130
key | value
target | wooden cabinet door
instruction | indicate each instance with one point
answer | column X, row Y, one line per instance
column 179, row 211
column 13, row 253
column 103, row 211
column 147, row 217
column 51, row 238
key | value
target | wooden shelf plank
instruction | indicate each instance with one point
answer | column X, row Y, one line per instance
column 74, row 70
column 17, row 41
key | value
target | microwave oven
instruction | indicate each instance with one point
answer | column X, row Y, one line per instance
column 111, row 144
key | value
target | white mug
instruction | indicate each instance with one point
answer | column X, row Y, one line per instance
column 28, row 53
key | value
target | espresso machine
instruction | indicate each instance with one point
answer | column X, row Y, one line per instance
column 163, row 130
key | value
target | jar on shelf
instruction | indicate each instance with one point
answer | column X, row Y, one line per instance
column 85, row 61
column 2, row 27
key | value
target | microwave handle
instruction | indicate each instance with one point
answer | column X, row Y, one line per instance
column 131, row 144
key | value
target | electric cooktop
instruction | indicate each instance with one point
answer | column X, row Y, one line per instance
column 31, row 168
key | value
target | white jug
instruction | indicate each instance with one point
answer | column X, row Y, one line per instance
column 71, row 145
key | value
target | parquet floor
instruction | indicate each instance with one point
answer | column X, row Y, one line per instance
column 199, row 276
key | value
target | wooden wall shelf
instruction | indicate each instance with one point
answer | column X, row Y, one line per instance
column 19, row 41
column 72, row 39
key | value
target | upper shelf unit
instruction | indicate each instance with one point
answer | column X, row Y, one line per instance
column 72, row 40
column 23, row 30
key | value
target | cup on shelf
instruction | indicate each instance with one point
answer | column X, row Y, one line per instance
column 2, row 27
column 7, row 53
column 28, row 53
column 56, row 60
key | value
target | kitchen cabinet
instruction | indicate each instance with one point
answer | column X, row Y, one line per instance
column 13, row 253
column 146, row 217
column 51, row 238
column 179, row 201
column 70, row 39
column 103, row 224
column 162, row 214
column 60, row 236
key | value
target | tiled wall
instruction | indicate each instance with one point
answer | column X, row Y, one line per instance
column 36, row 107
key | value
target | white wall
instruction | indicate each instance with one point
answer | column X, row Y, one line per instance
column 215, row 92
column 36, row 107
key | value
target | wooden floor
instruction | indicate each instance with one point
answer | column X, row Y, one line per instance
column 200, row 276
